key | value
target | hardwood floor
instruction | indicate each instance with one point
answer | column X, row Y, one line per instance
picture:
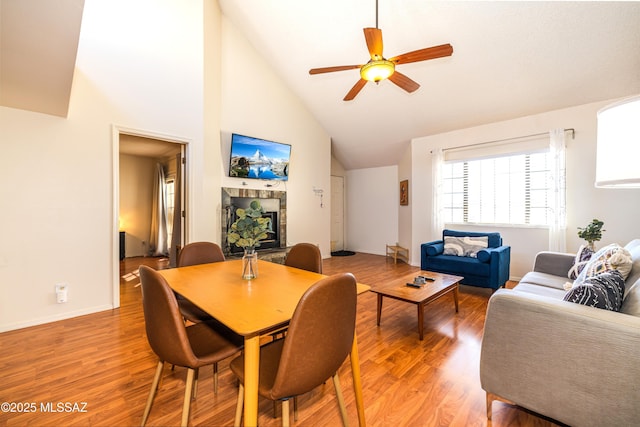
column 97, row 369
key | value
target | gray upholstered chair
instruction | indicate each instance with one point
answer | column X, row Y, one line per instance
column 313, row 349
column 189, row 346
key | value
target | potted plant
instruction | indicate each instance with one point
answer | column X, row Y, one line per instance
column 591, row 233
column 246, row 232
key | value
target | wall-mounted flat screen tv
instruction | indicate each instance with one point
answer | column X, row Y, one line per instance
column 258, row 158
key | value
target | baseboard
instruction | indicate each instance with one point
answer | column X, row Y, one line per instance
column 54, row 318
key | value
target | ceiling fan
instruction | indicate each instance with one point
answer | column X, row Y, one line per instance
column 379, row 68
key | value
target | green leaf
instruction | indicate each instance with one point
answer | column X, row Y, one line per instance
column 255, row 204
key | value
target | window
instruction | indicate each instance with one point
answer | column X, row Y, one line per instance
column 169, row 188
column 514, row 189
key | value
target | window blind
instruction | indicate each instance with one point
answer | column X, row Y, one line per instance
column 527, row 144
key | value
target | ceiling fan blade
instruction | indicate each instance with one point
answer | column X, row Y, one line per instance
column 355, row 90
column 373, row 36
column 404, row 82
column 424, row 54
column 332, row 69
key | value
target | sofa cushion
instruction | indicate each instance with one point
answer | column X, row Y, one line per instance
column 631, row 303
column 634, row 249
column 543, row 291
column 544, row 279
column 461, row 266
column 464, row 246
column 604, row 290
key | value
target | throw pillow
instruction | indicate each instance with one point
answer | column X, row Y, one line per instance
column 465, row 246
column 610, row 257
column 604, row 290
column 582, row 258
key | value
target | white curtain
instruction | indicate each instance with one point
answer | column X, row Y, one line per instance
column 437, row 219
column 558, row 205
column 158, row 244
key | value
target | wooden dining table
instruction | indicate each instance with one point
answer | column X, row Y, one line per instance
column 253, row 308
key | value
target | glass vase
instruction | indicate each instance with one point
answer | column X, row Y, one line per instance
column 250, row 264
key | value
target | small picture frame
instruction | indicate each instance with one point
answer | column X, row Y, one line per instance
column 404, row 192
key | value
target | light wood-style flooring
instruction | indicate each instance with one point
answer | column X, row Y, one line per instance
column 100, row 367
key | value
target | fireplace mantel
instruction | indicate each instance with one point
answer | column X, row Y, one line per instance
column 229, row 193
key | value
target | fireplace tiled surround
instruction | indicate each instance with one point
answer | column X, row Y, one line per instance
column 272, row 202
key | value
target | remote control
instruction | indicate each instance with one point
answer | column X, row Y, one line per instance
column 414, row 285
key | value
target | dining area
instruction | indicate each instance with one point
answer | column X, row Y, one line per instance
column 288, row 329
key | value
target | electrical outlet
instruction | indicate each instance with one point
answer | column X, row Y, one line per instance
column 62, row 293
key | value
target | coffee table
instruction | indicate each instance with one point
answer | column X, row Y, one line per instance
column 432, row 290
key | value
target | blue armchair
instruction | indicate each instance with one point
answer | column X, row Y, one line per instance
column 486, row 268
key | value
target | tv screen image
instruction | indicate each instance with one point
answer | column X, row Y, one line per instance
column 258, row 158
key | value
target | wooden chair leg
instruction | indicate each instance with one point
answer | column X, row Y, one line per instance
column 340, row 397
column 186, row 406
column 195, row 384
column 239, row 406
column 295, row 408
column 215, row 378
column 152, row 393
column 285, row 413
column 489, row 404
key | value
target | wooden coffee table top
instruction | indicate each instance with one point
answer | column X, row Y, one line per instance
column 398, row 289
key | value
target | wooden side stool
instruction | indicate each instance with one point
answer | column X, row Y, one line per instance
column 398, row 252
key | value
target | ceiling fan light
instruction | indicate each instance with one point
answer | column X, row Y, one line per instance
column 374, row 71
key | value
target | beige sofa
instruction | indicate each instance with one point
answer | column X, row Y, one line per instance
column 575, row 364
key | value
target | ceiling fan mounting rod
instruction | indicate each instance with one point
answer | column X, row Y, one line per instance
column 376, row 13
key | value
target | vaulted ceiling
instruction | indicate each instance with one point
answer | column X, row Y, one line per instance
column 38, row 46
column 510, row 59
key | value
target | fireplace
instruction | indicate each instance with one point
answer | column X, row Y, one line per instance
column 274, row 204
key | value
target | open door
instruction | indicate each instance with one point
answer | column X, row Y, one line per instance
column 136, row 156
column 178, row 213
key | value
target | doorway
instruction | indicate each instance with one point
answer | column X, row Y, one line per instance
column 337, row 213
column 149, row 208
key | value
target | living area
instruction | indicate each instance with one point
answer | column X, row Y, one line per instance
column 214, row 91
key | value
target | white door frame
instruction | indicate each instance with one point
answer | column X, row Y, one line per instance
column 116, row 131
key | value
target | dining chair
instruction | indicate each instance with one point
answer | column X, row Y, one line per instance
column 200, row 253
column 305, row 256
column 193, row 254
column 313, row 349
column 189, row 346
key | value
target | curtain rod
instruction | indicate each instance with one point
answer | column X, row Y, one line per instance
column 572, row 130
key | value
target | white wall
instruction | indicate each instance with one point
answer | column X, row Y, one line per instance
column 616, row 208
column 372, row 209
column 259, row 104
column 405, row 213
column 136, row 196
column 139, row 65
column 170, row 68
